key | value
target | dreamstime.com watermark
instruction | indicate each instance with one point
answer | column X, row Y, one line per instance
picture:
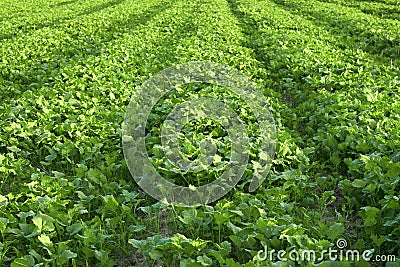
column 340, row 253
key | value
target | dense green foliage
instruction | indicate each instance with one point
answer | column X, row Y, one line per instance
column 330, row 70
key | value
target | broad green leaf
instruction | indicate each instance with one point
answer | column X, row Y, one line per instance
column 235, row 229
column 359, row 183
column 74, row 229
column 204, row 260
column 43, row 222
column 370, row 215
column 68, row 254
column 20, row 262
column 45, row 240
column 336, row 231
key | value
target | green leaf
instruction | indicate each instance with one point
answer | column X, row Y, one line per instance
column 394, row 170
column 155, row 254
column 378, row 241
column 217, row 159
column 20, row 262
column 189, row 216
column 359, row 183
column 364, row 158
column 51, row 157
column 14, row 149
column 110, row 203
column 45, row 240
column 3, row 224
column 137, row 228
column 235, row 229
column 137, row 243
column 204, row 260
column 3, row 201
column 231, row 263
column 224, row 247
column 369, row 215
column 68, row 254
column 43, row 222
column 74, row 229
column 96, row 176
column 336, row 230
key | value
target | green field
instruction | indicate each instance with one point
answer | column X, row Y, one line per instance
column 68, row 69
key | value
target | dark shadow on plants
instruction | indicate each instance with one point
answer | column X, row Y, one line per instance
column 250, row 27
column 35, row 77
column 293, row 83
column 266, row 51
column 14, row 82
column 347, row 31
column 28, row 76
column 382, row 11
column 380, row 1
column 30, row 26
column 124, row 26
column 272, row 57
column 64, row 3
column 278, row 71
column 135, row 21
column 100, row 7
